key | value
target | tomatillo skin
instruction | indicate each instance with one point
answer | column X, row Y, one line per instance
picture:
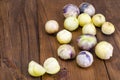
column 35, row 69
column 83, row 19
column 71, row 23
column 70, row 10
column 84, row 59
column 88, row 8
column 108, row 28
column 66, row 52
column 51, row 65
column 104, row 50
column 64, row 36
column 89, row 29
column 51, row 26
column 86, row 41
column 98, row 20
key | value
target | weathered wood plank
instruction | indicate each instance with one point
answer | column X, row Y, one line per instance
column 20, row 38
column 112, row 14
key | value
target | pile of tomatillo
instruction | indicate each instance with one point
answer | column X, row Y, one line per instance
column 85, row 17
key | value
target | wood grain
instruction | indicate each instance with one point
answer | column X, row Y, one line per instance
column 23, row 38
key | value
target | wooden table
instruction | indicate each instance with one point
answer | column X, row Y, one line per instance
column 23, row 38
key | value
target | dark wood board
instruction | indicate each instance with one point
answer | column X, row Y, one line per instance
column 23, row 38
